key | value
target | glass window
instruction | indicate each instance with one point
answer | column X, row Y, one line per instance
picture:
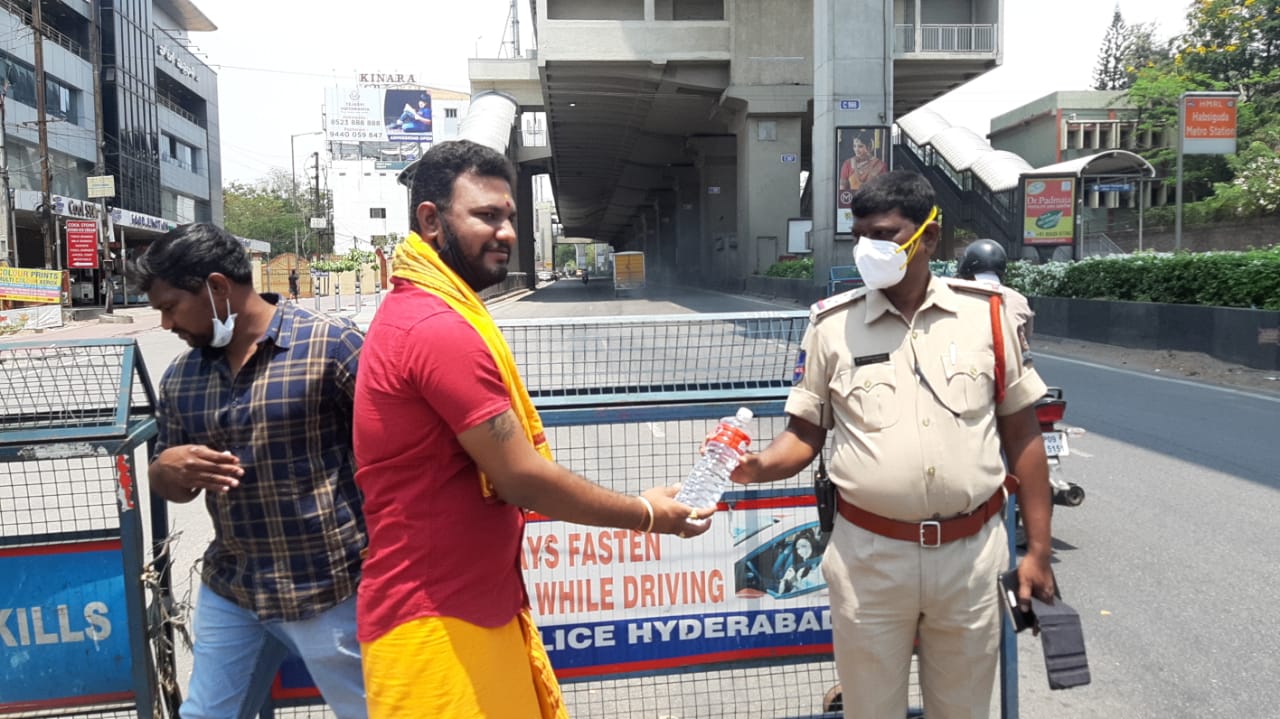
column 59, row 100
column 377, row 213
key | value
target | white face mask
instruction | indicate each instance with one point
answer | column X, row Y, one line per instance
column 879, row 262
column 883, row 263
column 222, row 329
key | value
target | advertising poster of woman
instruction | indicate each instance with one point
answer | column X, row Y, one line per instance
column 861, row 154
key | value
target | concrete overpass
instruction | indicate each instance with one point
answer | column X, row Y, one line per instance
column 681, row 128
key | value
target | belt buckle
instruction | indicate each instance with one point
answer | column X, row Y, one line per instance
column 924, row 533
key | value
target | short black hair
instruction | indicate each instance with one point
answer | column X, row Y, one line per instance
column 907, row 192
column 435, row 173
column 186, row 255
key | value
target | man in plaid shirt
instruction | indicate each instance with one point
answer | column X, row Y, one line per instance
column 257, row 417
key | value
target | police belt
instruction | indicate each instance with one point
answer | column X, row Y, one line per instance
column 932, row 532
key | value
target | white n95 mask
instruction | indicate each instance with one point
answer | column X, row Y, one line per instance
column 222, row 329
column 878, row 261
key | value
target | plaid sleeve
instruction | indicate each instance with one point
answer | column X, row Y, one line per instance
column 344, row 352
column 169, row 425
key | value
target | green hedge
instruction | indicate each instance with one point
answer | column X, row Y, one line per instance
column 1220, row 279
column 794, row 269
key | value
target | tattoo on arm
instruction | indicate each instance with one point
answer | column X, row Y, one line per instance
column 503, row 427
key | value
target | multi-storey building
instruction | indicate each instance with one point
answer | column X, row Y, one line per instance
column 160, row 139
column 1064, row 127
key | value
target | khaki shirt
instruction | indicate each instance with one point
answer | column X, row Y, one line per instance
column 1019, row 310
column 912, row 404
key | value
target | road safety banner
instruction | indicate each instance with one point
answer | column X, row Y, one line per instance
column 610, row 602
column 63, row 626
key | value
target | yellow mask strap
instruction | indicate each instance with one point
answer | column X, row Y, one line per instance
column 911, row 245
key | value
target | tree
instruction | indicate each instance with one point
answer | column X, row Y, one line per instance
column 1155, row 93
column 270, row 210
column 1113, row 59
column 1144, row 52
column 254, row 211
column 1237, row 42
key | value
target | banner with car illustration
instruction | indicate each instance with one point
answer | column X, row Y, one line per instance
column 1048, row 216
column 611, row 602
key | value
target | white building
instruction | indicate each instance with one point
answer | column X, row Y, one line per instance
column 371, row 136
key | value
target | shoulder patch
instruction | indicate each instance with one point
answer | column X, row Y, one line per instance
column 983, row 288
column 835, row 302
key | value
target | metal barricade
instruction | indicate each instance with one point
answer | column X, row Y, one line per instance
column 656, row 358
column 74, row 633
column 650, row 626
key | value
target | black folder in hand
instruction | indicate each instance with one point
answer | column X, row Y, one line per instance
column 1063, row 640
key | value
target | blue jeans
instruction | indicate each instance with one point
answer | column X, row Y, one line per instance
column 237, row 655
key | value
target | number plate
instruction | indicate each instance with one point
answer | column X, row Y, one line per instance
column 1055, row 444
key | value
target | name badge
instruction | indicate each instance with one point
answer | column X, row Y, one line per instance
column 870, row 359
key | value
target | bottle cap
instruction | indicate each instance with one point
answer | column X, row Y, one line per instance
column 744, row 415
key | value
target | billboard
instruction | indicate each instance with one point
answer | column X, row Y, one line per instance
column 377, row 114
column 1048, row 210
column 1209, row 124
column 22, row 284
column 861, row 154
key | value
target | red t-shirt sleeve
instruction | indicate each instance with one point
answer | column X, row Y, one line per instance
column 449, row 365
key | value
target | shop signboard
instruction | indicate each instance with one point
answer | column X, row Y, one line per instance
column 82, row 244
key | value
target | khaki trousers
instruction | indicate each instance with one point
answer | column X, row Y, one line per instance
column 886, row 592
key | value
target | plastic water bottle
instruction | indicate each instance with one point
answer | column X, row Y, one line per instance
column 710, row 475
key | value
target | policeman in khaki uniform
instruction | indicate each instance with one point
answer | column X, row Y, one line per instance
column 904, row 372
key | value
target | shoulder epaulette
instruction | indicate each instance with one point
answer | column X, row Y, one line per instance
column 835, row 302
column 984, row 288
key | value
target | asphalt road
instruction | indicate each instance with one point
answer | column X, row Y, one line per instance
column 1170, row 560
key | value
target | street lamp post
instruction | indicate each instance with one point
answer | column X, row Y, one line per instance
column 293, row 175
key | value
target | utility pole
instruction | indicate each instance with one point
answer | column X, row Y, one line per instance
column 515, row 31
column 95, row 49
column 49, row 226
column 315, row 197
column 8, row 242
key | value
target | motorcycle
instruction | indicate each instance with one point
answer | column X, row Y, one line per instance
column 1050, row 409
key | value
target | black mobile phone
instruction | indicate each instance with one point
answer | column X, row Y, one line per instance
column 1007, row 585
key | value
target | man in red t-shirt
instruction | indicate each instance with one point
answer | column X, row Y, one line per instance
column 449, row 451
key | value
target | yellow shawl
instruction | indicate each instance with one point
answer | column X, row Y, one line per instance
column 419, row 263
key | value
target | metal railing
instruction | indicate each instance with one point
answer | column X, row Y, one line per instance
column 911, row 38
column 1099, row 244
column 50, row 34
column 178, row 110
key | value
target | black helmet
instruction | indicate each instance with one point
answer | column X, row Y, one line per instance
column 983, row 256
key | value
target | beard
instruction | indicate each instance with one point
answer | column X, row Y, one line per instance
column 470, row 269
